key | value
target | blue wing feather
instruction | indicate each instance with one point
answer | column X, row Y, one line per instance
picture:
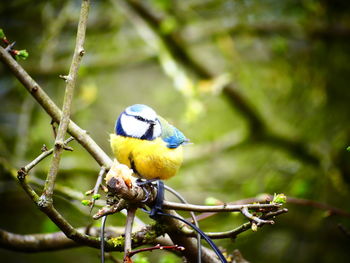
column 171, row 135
column 176, row 139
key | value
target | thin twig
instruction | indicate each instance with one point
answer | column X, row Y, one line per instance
column 110, row 209
column 158, row 246
column 128, row 230
column 41, row 157
column 242, row 228
column 217, row 208
column 97, row 186
column 67, row 102
column 255, row 219
column 290, row 200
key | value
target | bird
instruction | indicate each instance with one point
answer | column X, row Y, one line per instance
column 147, row 143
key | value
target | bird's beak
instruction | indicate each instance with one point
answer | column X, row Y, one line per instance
column 152, row 122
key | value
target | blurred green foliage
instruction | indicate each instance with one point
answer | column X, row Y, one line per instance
column 290, row 61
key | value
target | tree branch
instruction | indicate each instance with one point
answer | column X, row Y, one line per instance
column 158, row 246
column 255, row 219
column 246, row 226
column 46, row 197
column 51, row 108
column 35, row 242
column 217, row 208
column 25, row 170
column 290, row 200
column 128, row 230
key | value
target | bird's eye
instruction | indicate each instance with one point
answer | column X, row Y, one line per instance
column 139, row 118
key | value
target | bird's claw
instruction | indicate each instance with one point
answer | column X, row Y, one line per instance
column 143, row 185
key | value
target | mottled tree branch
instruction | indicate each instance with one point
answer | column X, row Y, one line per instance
column 46, row 197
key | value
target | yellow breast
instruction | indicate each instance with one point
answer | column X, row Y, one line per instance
column 150, row 159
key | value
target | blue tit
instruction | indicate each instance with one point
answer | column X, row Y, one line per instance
column 147, row 143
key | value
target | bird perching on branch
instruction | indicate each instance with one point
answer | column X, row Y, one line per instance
column 152, row 148
column 147, row 143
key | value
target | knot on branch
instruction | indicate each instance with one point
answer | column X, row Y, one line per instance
column 34, row 88
column 81, row 52
column 45, row 201
column 59, row 144
column 21, row 174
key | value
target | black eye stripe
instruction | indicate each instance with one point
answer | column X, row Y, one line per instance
column 138, row 117
column 144, row 120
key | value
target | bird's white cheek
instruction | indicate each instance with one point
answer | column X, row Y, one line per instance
column 157, row 130
column 133, row 127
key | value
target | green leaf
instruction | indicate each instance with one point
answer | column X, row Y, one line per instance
column 22, row 54
column 279, row 199
column 348, row 148
column 2, row 34
column 96, row 196
column 85, row 202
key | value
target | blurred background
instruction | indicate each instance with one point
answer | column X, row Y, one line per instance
column 260, row 87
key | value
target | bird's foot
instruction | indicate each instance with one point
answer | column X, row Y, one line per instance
column 144, row 184
column 141, row 182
